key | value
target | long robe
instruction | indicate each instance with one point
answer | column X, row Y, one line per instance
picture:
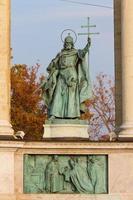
column 81, row 180
column 68, row 84
column 98, row 173
column 54, row 181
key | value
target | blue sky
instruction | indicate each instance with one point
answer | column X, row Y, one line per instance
column 36, row 27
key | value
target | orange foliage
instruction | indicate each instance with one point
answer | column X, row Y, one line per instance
column 86, row 116
column 27, row 108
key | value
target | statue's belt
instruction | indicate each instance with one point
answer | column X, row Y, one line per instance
column 65, row 67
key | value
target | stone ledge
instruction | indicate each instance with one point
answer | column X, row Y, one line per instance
column 76, row 144
column 67, row 196
column 125, row 137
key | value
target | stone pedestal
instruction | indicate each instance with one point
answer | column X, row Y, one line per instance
column 120, row 168
column 65, row 131
column 66, row 128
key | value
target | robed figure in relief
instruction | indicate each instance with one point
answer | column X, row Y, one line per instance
column 68, row 85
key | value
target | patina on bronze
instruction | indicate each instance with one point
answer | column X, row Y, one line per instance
column 65, row 174
column 68, row 85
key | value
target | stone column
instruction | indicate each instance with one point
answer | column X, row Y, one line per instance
column 5, row 127
column 118, row 63
column 126, row 132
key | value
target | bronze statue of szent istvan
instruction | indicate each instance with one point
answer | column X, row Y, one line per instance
column 68, row 84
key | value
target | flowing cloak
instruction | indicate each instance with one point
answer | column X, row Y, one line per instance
column 54, row 181
column 81, row 180
column 67, row 88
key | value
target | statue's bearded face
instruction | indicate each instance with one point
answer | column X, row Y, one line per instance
column 68, row 45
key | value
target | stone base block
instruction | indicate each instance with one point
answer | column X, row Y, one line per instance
column 126, row 133
column 5, row 129
column 125, row 138
column 65, row 131
column 120, row 168
column 72, row 197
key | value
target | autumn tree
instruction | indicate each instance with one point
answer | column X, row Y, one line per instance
column 102, row 107
column 27, row 108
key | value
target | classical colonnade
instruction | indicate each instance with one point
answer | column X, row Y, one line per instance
column 123, row 26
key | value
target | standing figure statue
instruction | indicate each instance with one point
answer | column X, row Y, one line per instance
column 79, row 177
column 54, row 179
column 97, row 172
column 68, row 85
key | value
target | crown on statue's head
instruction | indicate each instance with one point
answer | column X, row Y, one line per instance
column 69, row 39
